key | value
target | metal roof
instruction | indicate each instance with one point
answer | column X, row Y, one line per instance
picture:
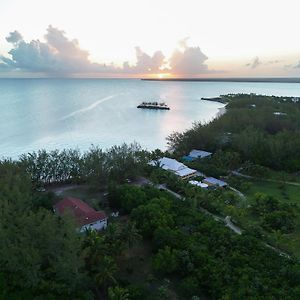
column 215, row 181
column 199, row 153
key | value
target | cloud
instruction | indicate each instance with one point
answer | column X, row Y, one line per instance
column 272, row 62
column 297, row 66
column 183, row 43
column 14, row 37
column 188, row 60
column 59, row 55
column 255, row 63
column 145, row 63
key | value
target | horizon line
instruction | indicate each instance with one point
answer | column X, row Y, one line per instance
column 203, row 79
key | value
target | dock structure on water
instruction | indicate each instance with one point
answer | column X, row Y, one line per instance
column 154, row 105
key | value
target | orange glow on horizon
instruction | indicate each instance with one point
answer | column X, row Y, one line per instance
column 163, row 75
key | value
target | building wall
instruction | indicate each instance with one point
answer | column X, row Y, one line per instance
column 98, row 225
column 189, row 176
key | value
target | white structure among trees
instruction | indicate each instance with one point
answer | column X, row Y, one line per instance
column 172, row 165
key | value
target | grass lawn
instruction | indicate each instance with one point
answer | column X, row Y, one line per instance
column 284, row 176
column 285, row 193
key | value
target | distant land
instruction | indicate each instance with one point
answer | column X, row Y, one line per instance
column 241, row 79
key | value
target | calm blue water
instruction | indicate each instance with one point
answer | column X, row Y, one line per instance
column 61, row 113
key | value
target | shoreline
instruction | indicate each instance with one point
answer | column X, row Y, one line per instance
column 245, row 79
column 222, row 111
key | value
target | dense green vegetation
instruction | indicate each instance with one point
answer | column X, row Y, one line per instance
column 251, row 129
column 41, row 254
column 205, row 257
column 94, row 167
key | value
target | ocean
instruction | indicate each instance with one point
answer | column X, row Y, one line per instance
column 76, row 113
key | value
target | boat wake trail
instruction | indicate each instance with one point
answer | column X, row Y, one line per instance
column 90, row 107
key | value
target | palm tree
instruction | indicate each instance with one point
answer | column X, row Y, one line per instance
column 118, row 293
column 113, row 239
column 130, row 234
column 104, row 271
column 94, row 248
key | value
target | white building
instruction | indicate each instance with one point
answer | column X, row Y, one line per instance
column 172, row 165
column 199, row 184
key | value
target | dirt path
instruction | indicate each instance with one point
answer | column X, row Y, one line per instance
column 238, row 192
column 60, row 189
column 226, row 221
column 236, row 173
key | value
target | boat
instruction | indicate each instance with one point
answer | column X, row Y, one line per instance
column 154, row 105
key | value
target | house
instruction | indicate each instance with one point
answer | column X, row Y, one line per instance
column 211, row 181
column 85, row 216
column 196, row 154
column 174, row 166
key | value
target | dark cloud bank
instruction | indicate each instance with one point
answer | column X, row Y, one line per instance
column 58, row 55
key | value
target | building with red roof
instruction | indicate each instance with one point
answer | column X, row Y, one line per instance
column 86, row 217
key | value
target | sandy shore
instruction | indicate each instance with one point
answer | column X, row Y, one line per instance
column 221, row 112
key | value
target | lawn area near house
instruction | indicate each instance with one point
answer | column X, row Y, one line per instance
column 285, row 193
column 283, row 176
column 281, row 191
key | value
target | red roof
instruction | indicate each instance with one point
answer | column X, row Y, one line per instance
column 83, row 213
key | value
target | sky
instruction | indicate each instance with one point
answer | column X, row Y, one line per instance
column 143, row 38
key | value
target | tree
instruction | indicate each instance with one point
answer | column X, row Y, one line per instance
column 95, row 167
column 165, row 261
column 150, row 216
column 126, row 161
column 279, row 220
column 113, row 239
column 118, row 293
column 130, row 234
column 131, row 197
column 40, row 253
column 104, row 272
